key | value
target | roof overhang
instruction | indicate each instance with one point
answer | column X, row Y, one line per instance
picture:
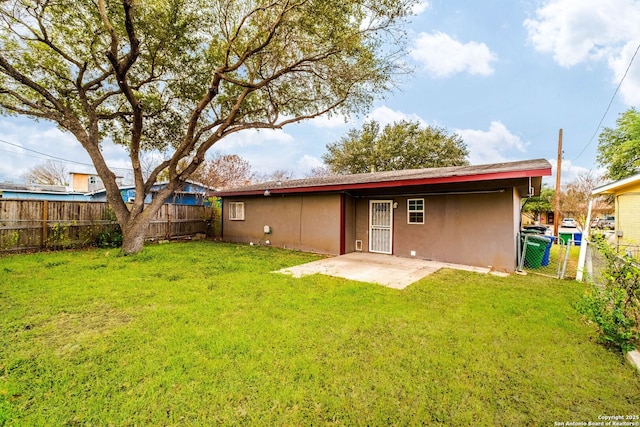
column 505, row 177
column 617, row 186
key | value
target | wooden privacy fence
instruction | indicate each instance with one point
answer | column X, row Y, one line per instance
column 40, row 224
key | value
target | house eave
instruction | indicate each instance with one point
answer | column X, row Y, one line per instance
column 338, row 188
column 616, row 186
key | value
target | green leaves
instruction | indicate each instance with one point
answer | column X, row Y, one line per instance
column 542, row 203
column 178, row 76
column 619, row 148
column 401, row 145
column 615, row 306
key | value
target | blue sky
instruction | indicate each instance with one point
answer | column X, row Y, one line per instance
column 504, row 74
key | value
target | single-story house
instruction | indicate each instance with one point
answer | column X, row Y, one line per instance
column 467, row 214
column 626, row 193
column 192, row 193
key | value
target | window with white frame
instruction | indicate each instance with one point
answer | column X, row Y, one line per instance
column 236, row 211
column 415, row 211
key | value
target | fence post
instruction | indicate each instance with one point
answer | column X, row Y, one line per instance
column 166, row 206
column 25, row 214
column 45, row 218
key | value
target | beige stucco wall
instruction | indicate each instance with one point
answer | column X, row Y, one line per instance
column 309, row 223
column 473, row 229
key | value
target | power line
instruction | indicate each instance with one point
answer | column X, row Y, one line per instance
column 610, row 103
column 21, row 154
column 60, row 159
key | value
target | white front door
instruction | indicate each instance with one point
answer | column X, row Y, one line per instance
column 381, row 226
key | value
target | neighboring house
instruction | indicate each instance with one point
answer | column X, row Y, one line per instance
column 89, row 187
column 545, row 218
column 626, row 193
column 88, row 182
column 191, row 194
column 467, row 215
column 39, row 192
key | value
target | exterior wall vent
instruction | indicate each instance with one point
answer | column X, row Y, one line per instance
column 359, row 245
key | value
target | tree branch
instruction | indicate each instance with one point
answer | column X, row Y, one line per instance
column 121, row 69
column 26, row 81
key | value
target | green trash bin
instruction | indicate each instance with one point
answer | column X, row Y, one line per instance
column 565, row 237
column 535, row 247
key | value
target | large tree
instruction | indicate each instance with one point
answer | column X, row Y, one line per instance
column 619, row 147
column 180, row 75
column 401, row 145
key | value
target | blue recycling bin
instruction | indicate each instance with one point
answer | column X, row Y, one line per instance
column 547, row 252
column 577, row 239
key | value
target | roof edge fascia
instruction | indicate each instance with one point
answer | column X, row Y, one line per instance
column 332, row 188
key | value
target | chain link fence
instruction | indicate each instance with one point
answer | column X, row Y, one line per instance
column 548, row 255
column 595, row 263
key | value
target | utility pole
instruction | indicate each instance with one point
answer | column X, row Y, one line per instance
column 556, row 199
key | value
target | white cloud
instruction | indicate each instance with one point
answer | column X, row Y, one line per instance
column 569, row 172
column 253, row 137
column 385, row 116
column 585, row 31
column 34, row 138
column 420, row 7
column 630, row 89
column 331, row 122
column 443, row 56
column 308, row 162
column 492, row 146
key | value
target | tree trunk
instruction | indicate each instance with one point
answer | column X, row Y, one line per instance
column 133, row 238
column 135, row 220
column 135, row 228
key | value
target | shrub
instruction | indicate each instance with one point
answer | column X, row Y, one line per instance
column 110, row 237
column 614, row 306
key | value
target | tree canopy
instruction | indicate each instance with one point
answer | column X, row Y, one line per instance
column 619, row 147
column 537, row 205
column 397, row 146
column 178, row 76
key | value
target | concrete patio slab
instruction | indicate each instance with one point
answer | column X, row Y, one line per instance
column 387, row 270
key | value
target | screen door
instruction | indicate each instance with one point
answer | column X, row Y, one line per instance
column 380, row 226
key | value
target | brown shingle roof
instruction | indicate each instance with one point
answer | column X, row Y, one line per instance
column 519, row 169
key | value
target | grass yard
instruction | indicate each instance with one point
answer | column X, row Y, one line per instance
column 203, row 333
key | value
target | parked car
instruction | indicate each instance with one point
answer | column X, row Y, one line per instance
column 569, row 223
column 594, row 222
column 608, row 222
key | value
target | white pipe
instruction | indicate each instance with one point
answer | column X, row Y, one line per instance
column 583, row 247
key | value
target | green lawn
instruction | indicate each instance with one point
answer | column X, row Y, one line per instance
column 203, row 333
